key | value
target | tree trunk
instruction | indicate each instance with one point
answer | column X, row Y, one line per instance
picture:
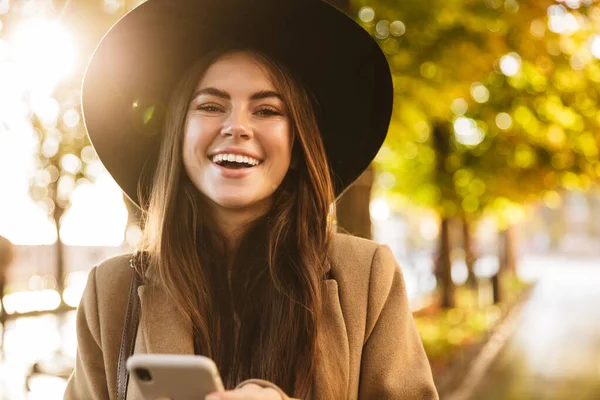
column 469, row 253
column 441, row 145
column 60, row 259
column 507, row 256
column 352, row 210
column 496, row 288
column 444, row 267
column 507, row 261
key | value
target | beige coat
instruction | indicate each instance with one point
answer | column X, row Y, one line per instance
column 373, row 350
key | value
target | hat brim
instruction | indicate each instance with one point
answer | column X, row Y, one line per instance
column 138, row 62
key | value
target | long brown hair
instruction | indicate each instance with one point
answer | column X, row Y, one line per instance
column 259, row 318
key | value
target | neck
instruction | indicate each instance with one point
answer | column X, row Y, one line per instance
column 233, row 222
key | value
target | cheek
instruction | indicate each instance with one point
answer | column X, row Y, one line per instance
column 287, row 149
column 281, row 145
column 195, row 142
column 188, row 151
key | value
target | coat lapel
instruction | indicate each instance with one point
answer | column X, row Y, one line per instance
column 333, row 361
column 163, row 329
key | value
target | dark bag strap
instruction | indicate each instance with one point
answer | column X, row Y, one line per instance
column 130, row 326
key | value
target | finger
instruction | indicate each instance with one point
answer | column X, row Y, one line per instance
column 272, row 394
column 250, row 387
column 262, row 392
column 254, row 393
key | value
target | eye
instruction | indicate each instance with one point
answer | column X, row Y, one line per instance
column 267, row 112
column 209, row 107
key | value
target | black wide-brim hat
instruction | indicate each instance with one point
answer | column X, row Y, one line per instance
column 137, row 64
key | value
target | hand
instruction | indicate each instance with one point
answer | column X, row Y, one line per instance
column 247, row 392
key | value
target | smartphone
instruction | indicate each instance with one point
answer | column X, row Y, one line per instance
column 177, row 377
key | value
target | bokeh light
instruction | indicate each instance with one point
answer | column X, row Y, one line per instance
column 70, row 163
column 574, row 4
column 397, row 28
column 459, row 106
column 504, row 121
column 561, row 21
column 380, row 210
column 103, row 227
column 537, row 28
column 71, row 118
column 595, row 46
column 479, row 92
column 467, row 132
column 46, row 109
column 386, row 180
column 382, row 29
column 44, row 52
column 40, row 300
column 366, row 14
column 510, row 64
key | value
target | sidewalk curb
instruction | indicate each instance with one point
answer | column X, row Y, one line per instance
column 468, row 370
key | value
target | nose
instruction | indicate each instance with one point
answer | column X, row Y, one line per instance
column 237, row 125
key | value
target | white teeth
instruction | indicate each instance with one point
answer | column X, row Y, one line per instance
column 235, row 158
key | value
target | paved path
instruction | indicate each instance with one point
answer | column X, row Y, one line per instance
column 554, row 352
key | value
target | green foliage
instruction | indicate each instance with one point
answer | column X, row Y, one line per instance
column 492, row 108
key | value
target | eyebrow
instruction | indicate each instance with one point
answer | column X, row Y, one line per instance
column 262, row 94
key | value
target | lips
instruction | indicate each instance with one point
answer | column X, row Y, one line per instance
column 232, row 152
column 234, row 163
column 234, row 173
column 233, row 160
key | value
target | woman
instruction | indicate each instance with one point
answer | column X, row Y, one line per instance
column 273, row 109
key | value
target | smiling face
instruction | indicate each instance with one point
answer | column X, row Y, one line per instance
column 237, row 142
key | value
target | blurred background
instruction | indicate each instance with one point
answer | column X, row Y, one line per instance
column 487, row 189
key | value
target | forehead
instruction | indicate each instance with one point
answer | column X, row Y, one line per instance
column 239, row 70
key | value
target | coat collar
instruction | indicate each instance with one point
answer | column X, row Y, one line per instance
column 165, row 330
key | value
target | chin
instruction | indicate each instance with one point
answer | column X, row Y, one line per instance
column 236, row 202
